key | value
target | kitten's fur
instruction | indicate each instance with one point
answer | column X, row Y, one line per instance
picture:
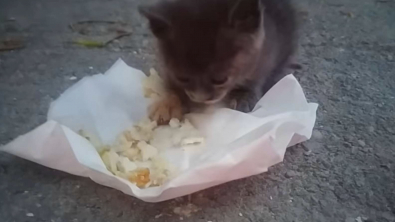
column 230, row 51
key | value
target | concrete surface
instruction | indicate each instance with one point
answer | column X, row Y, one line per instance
column 345, row 173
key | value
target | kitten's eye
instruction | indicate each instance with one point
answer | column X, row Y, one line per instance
column 219, row 80
column 183, row 79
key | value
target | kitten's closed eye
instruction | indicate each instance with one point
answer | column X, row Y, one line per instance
column 219, row 80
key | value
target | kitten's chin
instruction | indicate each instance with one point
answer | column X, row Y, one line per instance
column 213, row 101
column 207, row 102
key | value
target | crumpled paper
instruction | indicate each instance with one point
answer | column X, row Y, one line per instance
column 238, row 145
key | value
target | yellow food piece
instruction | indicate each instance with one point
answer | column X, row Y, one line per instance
column 141, row 177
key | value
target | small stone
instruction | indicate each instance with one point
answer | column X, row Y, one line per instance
column 181, row 218
column 385, row 166
column 311, row 145
column 390, row 57
column 117, row 49
column 72, row 78
column 38, row 205
column 335, row 137
column 314, row 199
column 90, row 67
column 298, row 183
column 348, row 145
column 240, row 214
column 290, row 174
column 361, row 143
column 332, row 188
column 371, row 129
column 158, row 216
column 307, row 153
column 30, row 214
column 317, row 135
column 360, row 183
column 271, row 198
column 349, row 138
column 323, row 203
column 354, row 149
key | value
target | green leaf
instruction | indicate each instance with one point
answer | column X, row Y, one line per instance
column 89, row 43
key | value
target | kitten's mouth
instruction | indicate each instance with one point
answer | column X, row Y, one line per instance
column 211, row 101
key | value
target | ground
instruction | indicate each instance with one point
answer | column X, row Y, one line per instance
column 346, row 172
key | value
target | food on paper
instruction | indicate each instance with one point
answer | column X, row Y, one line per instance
column 135, row 156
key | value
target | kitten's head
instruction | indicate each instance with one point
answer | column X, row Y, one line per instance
column 208, row 46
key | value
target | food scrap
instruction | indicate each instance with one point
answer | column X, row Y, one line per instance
column 135, row 156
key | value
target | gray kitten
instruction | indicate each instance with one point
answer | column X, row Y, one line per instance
column 220, row 51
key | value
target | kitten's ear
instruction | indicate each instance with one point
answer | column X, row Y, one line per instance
column 246, row 15
column 159, row 25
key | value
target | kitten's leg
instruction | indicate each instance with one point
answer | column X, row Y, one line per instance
column 166, row 108
column 243, row 100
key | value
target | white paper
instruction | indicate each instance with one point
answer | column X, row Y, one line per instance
column 238, row 145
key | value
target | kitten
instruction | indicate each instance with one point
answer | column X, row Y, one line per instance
column 228, row 51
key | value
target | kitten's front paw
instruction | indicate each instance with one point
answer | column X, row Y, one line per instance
column 165, row 109
column 242, row 101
